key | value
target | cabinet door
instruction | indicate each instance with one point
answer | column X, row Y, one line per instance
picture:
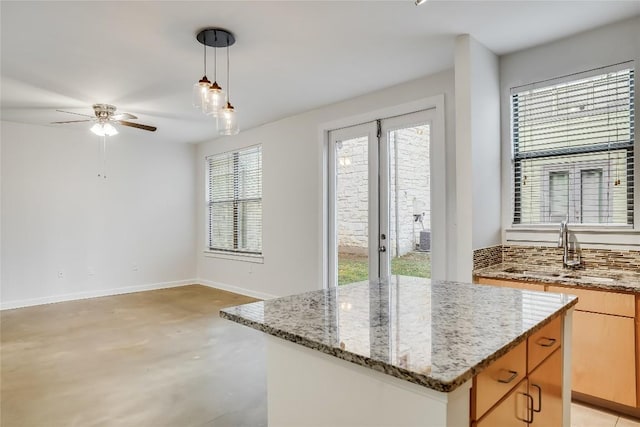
column 513, row 411
column 545, row 386
column 604, row 357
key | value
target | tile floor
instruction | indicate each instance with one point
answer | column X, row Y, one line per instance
column 586, row 416
column 160, row 358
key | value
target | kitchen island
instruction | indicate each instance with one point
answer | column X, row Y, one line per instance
column 410, row 352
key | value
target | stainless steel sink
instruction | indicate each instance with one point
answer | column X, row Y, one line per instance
column 589, row 278
column 537, row 273
column 561, row 275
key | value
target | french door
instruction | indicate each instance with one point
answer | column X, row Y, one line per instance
column 379, row 199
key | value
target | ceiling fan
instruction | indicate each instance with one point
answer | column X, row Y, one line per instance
column 104, row 119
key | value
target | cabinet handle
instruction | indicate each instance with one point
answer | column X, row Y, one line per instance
column 512, row 377
column 546, row 342
column 529, row 419
column 539, row 397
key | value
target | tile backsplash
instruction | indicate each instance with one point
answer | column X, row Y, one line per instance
column 592, row 259
column 487, row 256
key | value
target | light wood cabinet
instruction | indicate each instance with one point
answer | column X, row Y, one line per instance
column 543, row 343
column 545, row 388
column 520, row 390
column 513, row 411
column 604, row 357
column 606, row 341
column 495, row 381
column 615, row 303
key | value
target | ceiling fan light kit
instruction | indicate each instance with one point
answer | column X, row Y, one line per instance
column 104, row 119
column 209, row 97
column 104, row 129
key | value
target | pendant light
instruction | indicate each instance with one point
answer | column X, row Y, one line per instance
column 216, row 102
column 228, row 121
column 201, row 89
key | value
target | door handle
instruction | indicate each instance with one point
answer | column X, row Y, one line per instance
column 382, row 249
column 529, row 418
column 539, row 397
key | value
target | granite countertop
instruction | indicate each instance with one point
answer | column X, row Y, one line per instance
column 437, row 335
column 608, row 280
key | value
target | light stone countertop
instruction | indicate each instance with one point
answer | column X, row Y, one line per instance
column 436, row 334
column 607, row 280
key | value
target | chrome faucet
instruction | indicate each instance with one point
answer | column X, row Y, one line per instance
column 563, row 242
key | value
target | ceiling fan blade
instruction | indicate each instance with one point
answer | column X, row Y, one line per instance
column 71, row 121
column 137, row 125
column 77, row 114
column 124, row 116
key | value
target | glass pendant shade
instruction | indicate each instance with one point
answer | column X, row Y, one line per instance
column 104, row 129
column 228, row 121
column 201, row 93
column 216, row 100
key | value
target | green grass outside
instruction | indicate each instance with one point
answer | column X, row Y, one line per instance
column 354, row 268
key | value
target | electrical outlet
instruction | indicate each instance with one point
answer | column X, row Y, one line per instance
column 60, row 274
column 135, row 267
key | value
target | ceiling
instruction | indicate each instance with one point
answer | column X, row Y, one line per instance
column 290, row 56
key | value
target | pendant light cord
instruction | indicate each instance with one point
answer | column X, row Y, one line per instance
column 215, row 57
column 205, row 54
column 228, row 78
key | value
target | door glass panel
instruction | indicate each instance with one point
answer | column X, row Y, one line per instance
column 410, row 201
column 352, row 209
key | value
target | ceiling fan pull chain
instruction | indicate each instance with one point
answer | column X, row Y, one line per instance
column 104, row 156
column 102, row 148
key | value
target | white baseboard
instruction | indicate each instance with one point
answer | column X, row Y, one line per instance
column 8, row 305
column 236, row 289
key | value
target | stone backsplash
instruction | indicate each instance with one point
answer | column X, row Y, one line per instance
column 592, row 259
column 487, row 256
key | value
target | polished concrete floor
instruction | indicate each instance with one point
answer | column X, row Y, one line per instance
column 151, row 359
column 158, row 358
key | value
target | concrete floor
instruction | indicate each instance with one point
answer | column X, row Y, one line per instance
column 151, row 359
column 158, row 358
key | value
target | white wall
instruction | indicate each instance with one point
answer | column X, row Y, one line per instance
column 600, row 47
column 292, row 192
column 58, row 216
column 477, row 151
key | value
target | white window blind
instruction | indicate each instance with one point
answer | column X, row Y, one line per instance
column 234, row 197
column 573, row 154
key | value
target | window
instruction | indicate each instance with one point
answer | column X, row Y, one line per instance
column 573, row 149
column 234, row 201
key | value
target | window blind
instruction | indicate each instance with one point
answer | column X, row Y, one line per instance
column 234, row 197
column 573, row 149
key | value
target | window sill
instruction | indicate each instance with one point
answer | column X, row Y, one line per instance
column 590, row 229
column 603, row 237
column 258, row 259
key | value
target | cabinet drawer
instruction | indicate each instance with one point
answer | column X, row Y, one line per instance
column 600, row 301
column 511, row 284
column 499, row 378
column 544, row 342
